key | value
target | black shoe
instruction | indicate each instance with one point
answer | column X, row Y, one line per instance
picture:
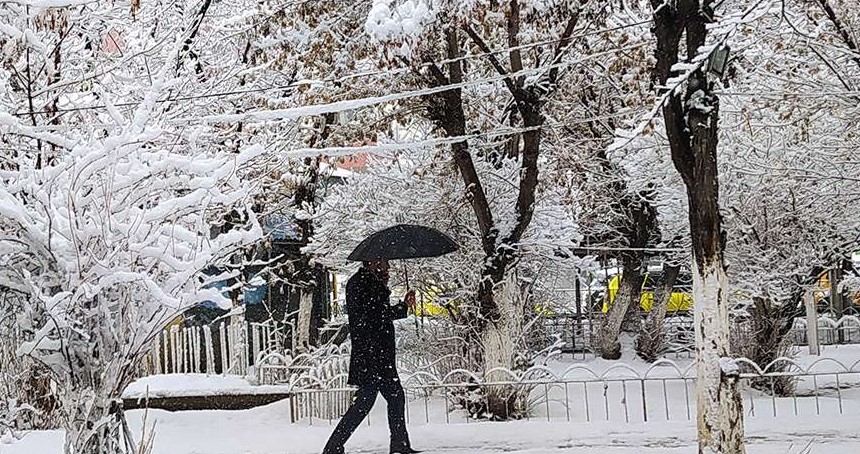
column 406, row 450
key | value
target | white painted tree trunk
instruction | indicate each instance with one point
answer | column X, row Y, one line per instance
column 608, row 345
column 303, row 326
column 718, row 401
column 500, row 347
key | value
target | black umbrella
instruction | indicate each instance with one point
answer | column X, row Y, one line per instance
column 403, row 241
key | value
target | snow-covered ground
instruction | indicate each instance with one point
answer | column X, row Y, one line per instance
column 265, row 430
column 826, row 424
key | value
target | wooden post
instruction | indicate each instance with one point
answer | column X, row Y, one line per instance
column 811, row 324
column 578, row 298
column 210, row 349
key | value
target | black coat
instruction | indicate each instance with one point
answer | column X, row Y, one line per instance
column 371, row 329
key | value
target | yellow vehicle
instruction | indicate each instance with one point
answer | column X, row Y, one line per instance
column 678, row 301
column 432, row 302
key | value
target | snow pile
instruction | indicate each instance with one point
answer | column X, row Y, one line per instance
column 180, row 385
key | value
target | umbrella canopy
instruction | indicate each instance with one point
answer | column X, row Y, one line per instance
column 403, row 241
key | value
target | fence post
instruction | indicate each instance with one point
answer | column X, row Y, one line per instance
column 811, row 325
column 222, row 340
column 156, row 355
column 174, row 348
column 210, row 349
column 195, row 334
column 165, row 351
column 255, row 342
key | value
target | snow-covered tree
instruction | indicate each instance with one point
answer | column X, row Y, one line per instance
column 788, row 165
column 503, row 85
column 109, row 204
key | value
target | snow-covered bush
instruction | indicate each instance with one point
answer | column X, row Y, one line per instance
column 106, row 245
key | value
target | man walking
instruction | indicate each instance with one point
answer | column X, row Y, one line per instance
column 372, row 366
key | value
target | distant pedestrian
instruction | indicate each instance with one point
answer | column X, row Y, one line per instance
column 372, row 364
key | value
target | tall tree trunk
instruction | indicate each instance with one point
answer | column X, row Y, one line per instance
column 309, row 318
column 651, row 338
column 490, row 321
column 494, row 323
column 691, row 120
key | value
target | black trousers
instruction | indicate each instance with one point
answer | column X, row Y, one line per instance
column 363, row 401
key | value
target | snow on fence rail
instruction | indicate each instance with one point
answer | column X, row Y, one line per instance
column 621, row 393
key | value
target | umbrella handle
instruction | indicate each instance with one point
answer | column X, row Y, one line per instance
column 406, row 273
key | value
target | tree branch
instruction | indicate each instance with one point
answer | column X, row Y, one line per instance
column 514, row 41
column 563, row 44
column 193, row 30
column 513, row 87
column 446, row 110
column 840, row 29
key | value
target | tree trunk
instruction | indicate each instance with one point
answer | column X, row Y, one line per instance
column 308, row 320
column 764, row 340
column 638, row 227
column 719, row 405
column 608, row 345
column 631, row 322
column 691, row 118
column 500, row 343
column 651, row 338
column 495, row 322
column 303, row 322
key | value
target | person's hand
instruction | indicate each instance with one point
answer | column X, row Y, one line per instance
column 409, row 300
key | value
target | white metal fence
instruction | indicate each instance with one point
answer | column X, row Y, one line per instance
column 663, row 392
column 844, row 330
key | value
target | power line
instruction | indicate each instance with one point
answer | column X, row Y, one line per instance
column 340, row 106
column 777, row 95
column 178, row 98
column 398, row 146
column 628, row 249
